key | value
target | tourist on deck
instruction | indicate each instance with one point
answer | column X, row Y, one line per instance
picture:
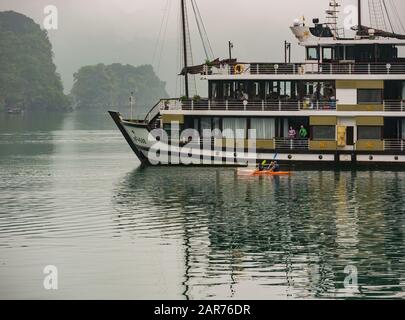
column 303, row 133
column 292, row 133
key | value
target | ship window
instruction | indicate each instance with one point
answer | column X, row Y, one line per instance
column 234, row 127
column 206, row 124
column 339, row 53
column 227, row 90
column 312, row 53
column 369, row 133
column 265, row 128
column 369, row 96
column 214, row 90
column 323, row 133
column 350, row 53
column 327, row 53
column 285, row 89
column 254, row 90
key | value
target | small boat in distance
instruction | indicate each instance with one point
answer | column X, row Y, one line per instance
column 14, row 110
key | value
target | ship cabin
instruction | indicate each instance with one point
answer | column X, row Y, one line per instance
column 349, row 96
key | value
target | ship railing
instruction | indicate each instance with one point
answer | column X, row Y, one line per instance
column 394, row 105
column 281, row 144
column 164, row 104
column 286, row 144
column 312, row 68
column 194, row 142
column 394, row 145
column 256, row 105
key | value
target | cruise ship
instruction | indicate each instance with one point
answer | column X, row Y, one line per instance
column 344, row 104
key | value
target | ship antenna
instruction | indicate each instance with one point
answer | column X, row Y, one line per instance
column 183, row 19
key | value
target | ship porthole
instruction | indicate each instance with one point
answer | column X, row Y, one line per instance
column 396, row 158
column 320, row 157
column 190, row 154
column 158, row 138
column 371, row 158
column 289, row 156
column 235, row 154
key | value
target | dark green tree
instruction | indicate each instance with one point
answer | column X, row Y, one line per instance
column 28, row 77
column 106, row 86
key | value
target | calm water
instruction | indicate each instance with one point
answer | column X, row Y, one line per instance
column 72, row 195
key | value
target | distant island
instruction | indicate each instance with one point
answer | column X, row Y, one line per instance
column 101, row 86
column 29, row 81
column 28, row 77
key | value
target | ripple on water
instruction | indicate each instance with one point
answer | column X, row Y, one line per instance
column 191, row 232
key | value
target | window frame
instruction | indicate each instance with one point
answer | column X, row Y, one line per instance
column 308, row 53
column 379, row 128
column 331, row 54
column 323, row 139
column 379, row 102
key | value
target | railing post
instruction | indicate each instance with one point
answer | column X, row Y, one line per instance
column 226, row 105
column 192, row 104
column 369, row 68
column 262, row 105
column 209, row 104
column 402, row 105
column 402, row 145
column 350, row 69
column 299, row 105
column 291, row 144
column 279, row 105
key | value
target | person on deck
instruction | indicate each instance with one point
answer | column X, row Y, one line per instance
column 303, row 133
column 292, row 133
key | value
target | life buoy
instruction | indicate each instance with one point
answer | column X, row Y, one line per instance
column 239, row 68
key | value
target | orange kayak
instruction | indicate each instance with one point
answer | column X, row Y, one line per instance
column 270, row 173
column 256, row 172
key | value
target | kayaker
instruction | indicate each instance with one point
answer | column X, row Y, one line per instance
column 275, row 167
column 262, row 165
column 270, row 166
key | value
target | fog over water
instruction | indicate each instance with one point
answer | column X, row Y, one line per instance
column 124, row 31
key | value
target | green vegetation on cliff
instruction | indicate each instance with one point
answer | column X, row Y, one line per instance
column 106, row 86
column 28, row 77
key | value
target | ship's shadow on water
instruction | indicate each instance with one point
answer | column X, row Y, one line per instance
column 272, row 237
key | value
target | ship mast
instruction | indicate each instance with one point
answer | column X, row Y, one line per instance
column 359, row 17
column 183, row 19
column 332, row 18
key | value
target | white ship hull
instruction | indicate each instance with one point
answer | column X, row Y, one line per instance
column 152, row 152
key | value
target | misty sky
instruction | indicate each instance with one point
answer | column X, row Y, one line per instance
column 126, row 31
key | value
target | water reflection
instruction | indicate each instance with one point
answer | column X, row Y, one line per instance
column 272, row 237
